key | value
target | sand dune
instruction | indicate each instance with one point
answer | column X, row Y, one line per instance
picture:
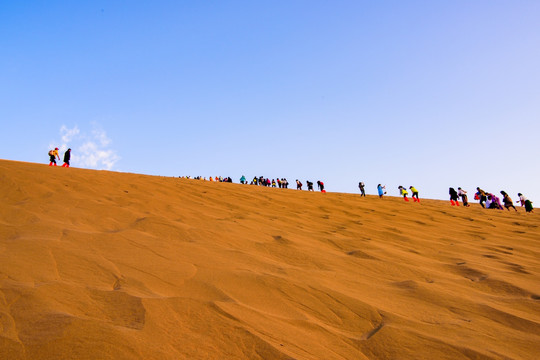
column 105, row 265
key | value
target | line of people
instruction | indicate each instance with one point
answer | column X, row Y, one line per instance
column 320, row 185
column 455, row 195
column 281, row 183
column 263, row 181
column 53, row 154
column 381, row 191
column 490, row 201
column 487, row 200
column 216, row 179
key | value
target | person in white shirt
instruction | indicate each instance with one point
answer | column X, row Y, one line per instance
column 463, row 195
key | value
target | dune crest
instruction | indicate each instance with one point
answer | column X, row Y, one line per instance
column 107, row 265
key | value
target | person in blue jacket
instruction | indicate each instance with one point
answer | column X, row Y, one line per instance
column 380, row 190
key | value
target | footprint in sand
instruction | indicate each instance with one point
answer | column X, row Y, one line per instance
column 469, row 273
column 371, row 333
column 407, row 284
column 280, row 239
column 516, row 268
column 501, row 249
column 117, row 285
column 360, row 254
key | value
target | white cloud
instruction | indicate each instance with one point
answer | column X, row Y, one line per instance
column 88, row 150
column 68, row 134
column 99, row 134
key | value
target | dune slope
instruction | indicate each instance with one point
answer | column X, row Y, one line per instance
column 105, row 265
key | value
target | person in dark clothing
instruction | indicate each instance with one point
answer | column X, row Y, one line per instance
column 298, row 185
column 507, row 201
column 361, row 186
column 309, row 185
column 67, row 157
column 453, row 197
column 320, row 184
column 481, row 196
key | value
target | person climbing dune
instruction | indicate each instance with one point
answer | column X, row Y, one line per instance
column 414, row 194
column 53, row 154
column 67, row 157
column 403, row 192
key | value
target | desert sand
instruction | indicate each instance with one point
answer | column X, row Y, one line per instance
column 108, row 265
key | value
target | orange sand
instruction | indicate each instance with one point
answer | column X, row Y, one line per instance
column 105, row 265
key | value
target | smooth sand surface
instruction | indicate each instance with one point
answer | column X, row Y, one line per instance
column 106, row 265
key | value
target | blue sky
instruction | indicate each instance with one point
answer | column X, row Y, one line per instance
column 426, row 93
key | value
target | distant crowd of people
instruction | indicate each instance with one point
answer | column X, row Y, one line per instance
column 487, row 200
column 281, row 183
column 490, row 201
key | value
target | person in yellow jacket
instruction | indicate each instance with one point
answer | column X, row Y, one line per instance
column 414, row 194
column 53, row 154
column 403, row 192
